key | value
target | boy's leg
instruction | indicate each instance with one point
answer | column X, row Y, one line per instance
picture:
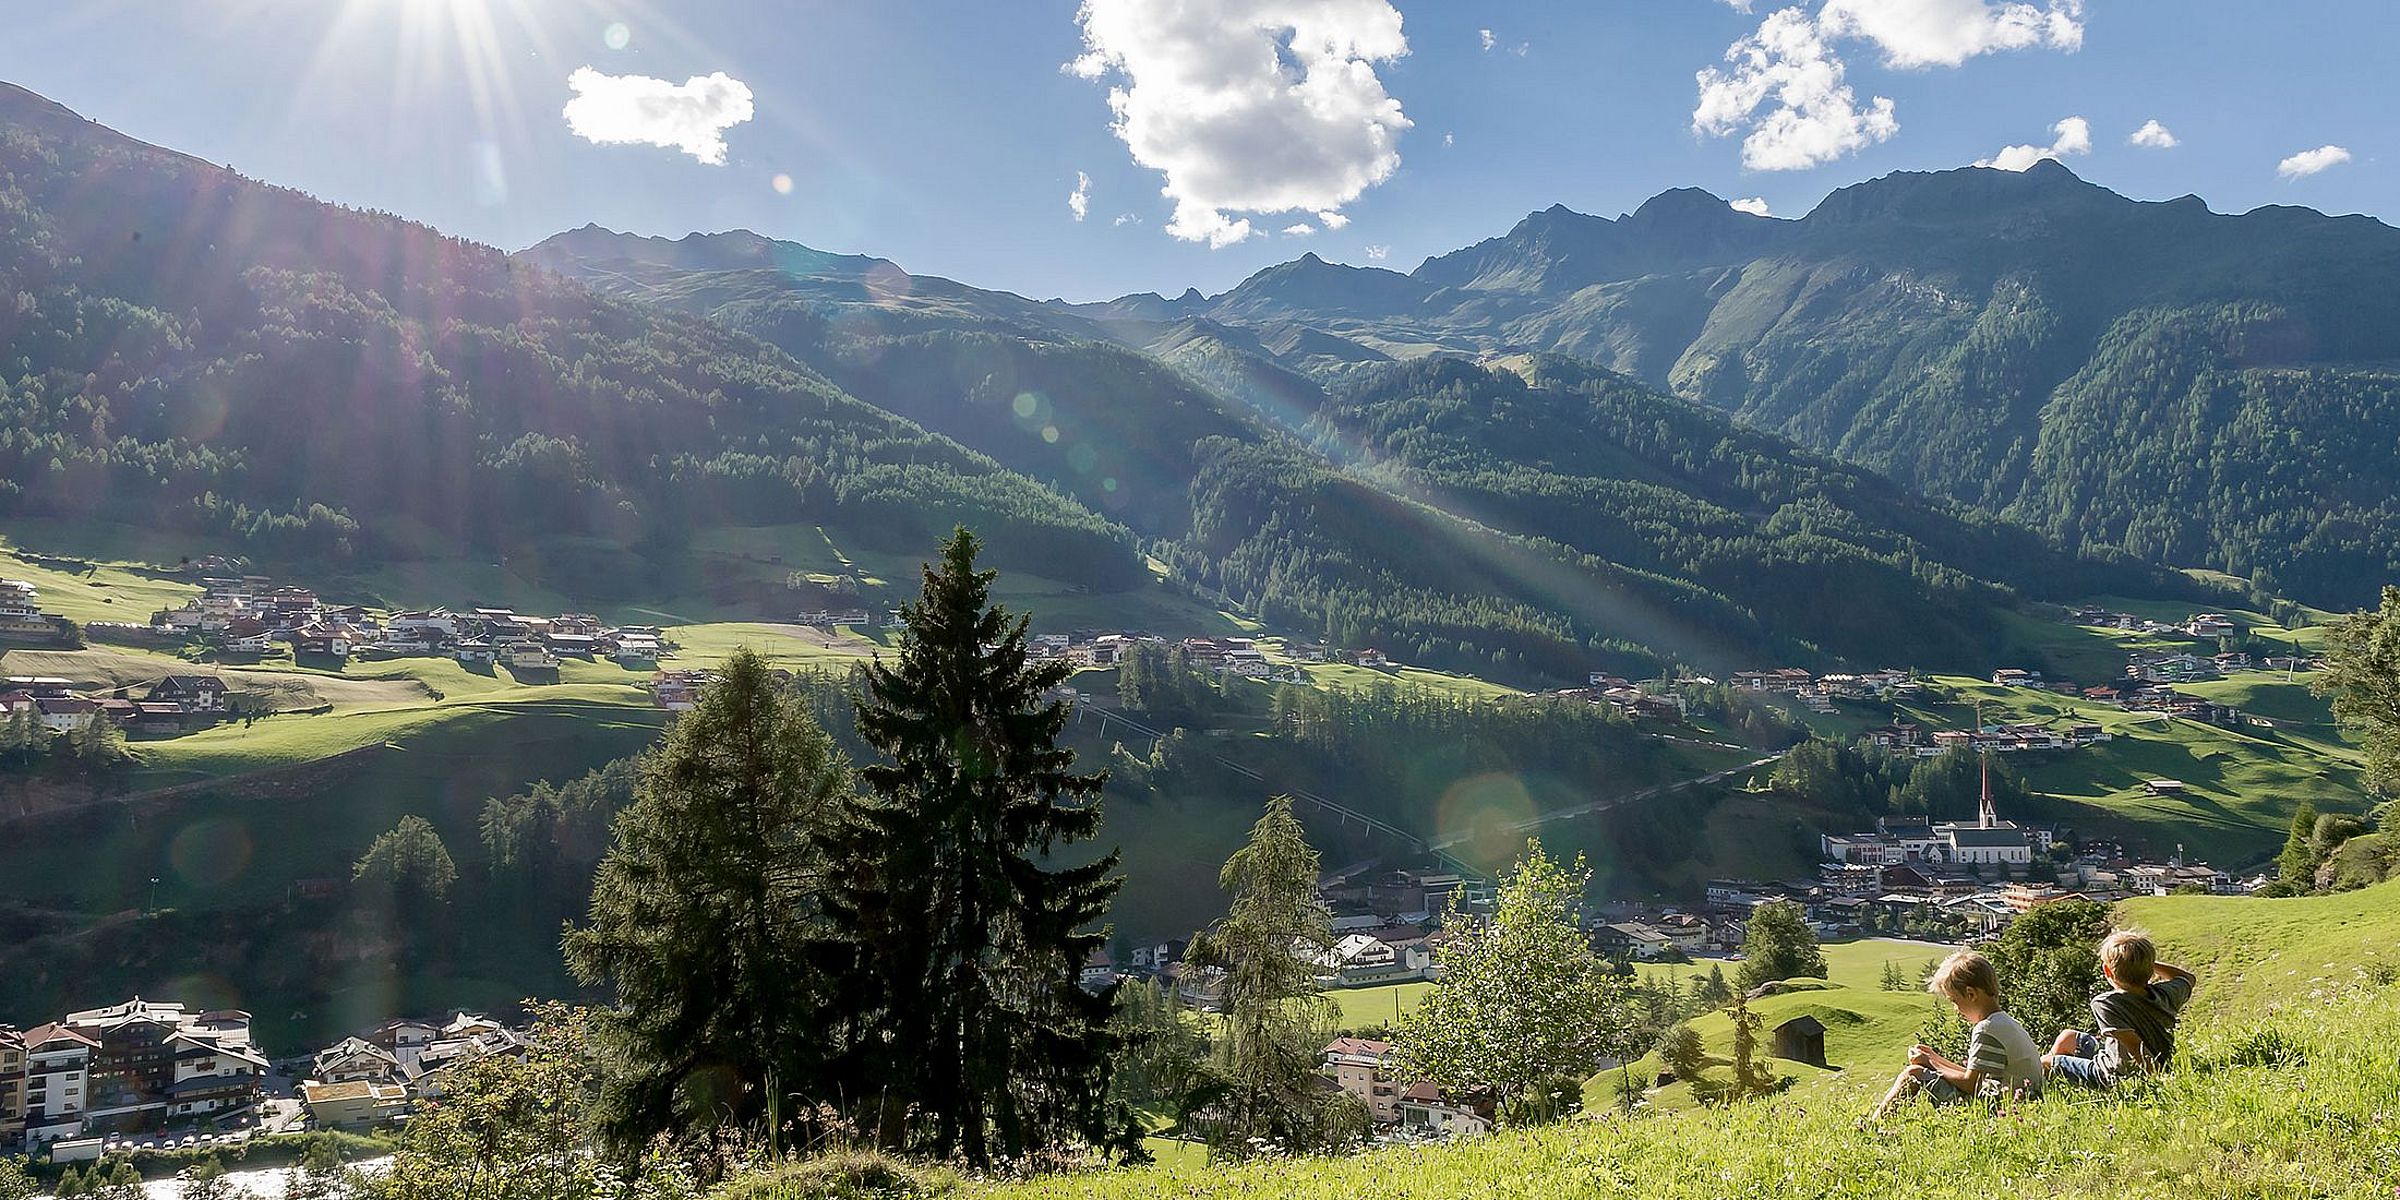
column 1902, row 1088
column 2067, row 1042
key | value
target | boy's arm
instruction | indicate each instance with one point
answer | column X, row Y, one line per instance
column 2163, row 972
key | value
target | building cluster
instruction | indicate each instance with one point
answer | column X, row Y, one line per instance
column 252, row 615
column 138, row 1068
column 1818, row 692
column 21, row 615
column 171, row 705
column 372, row 1078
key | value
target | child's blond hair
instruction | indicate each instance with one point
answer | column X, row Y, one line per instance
column 2128, row 957
column 1961, row 971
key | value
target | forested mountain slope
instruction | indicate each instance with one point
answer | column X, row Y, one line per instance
column 187, row 349
column 1444, row 511
column 2191, row 387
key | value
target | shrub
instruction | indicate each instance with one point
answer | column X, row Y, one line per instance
column 844, row 1175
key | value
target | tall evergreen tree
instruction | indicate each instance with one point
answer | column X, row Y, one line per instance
column 1276, row 1021
column 2362, row 674
column 2297, row 865
column 705, row 918
column 985, row 1046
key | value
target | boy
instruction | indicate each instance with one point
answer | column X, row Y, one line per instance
column 2001, row 1057
column 2136, row 1015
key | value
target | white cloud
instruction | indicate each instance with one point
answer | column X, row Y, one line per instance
column 1785, row 84
column 1449, row 140
column 1378, row 253
column 1079, row 201
column 1332, row 220
column 2153, row 135
column 1945, row 33
column 1485, row 35
column 1303, row 229
column 2074, row 137
column 1754, row 205
column 2309, row 162
column 1249, row 106
column 691, row 116
column 1126, row 219
column 1813, row 115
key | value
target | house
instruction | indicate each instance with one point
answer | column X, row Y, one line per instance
column 191, row 693
column 57, row 1070
column 156, row 1063
column 1801, row 1040
column 1359, row 959
column 1427, row 1111
column 353, row 1105
column 2164, row 787
column 529, row 655
column 1201, row 987
column 2210, row 625
column 1099, row 970
column 247, row 635
column 353, row 1059
column 1373, row 658
column 476, row 653
column 66, row 714
column 1685, row 931
column 1899, row 735
column 2016, row 677
column 1357, row 1067
column 1633, row 940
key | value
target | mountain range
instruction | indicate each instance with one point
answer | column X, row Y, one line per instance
column 1688, row 434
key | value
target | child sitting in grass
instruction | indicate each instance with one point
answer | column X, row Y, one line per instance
column 2001, row 1057
column 2136, row 1015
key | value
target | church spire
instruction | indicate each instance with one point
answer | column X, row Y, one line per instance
column 1989, row 816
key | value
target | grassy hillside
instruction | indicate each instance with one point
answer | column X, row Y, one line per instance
column 2315, row 973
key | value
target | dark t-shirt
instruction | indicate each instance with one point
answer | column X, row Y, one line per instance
column 2148, row 1015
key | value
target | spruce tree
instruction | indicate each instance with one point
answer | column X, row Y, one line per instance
column 705, row 918
column 984, row 1046
column 2297, row 865
column 1276, row 1022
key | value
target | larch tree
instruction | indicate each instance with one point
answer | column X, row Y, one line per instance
column 1276, row 1021
column 970, row 920
column 1522, row 995
column 706, row 919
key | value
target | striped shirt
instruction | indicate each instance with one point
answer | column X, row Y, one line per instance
column 2000, row 1050
column 2149, row 1015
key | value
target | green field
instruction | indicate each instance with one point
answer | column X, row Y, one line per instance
column 2315, row 973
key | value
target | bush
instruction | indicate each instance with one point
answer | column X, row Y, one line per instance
column 845, row 1175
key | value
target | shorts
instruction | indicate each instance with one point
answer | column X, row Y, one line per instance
column 2083, row 1066
column 1936, row 1088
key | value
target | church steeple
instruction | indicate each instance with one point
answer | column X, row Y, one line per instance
column 1988, row 816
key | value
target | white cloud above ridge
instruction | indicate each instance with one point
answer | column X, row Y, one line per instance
column 692, row 116
column 1249, row 107
column 2309, row 162
column 1785, row 86
column 1813, row 115
column 1914, row 34
column 1754, row 205
column 1079, row 201
column 2074, row 137
column 2154, row 135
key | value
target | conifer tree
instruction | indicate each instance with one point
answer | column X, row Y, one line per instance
column 1750, row 1074
column 705, row 918
column 1276, row 1021
column 2297, row 865
column 983, row 1044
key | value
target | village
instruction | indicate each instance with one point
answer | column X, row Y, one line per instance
column 155, row 1075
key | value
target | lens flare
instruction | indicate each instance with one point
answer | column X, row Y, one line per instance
column 211, row 853
column 617, row 36
column 782, row 184
column 1487, row 812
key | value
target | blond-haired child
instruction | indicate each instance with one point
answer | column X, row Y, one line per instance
column 2002, row 1059
column 2136, row 1016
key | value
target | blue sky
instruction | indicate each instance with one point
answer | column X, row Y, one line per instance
column 949, row 134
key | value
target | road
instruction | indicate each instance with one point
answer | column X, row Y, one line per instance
column 1603, row 805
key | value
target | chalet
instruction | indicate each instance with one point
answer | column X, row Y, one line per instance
column 2016, row 677
column 156, row 718
column 1373, row 658
column 2164, row 787
column 191, row 693
column 1359, row 959
column 1201, row 987
column 425, row 625
column 1099, row 970
column 476, row 653
column 1685, row 931
column 570, row 645
column 66, row 714
column 1632, row 939
column 1357, row 1068
column 529, row 656
column 1899, row 735
column 247, row 635
column 355, row 1060
column 1427, row 1111
column 2210, row 625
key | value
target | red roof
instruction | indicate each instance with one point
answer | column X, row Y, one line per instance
column 42, row 1035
